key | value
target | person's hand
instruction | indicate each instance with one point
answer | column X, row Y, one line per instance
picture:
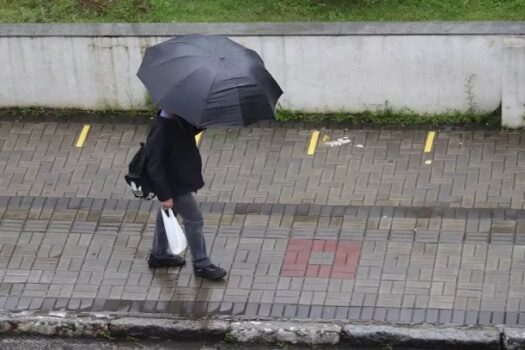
column 167, row 204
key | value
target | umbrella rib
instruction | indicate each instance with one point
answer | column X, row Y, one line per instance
column 185, row 56
column 238, row 96
column 210, row 89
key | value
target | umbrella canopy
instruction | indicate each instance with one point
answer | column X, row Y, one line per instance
column 209, row 80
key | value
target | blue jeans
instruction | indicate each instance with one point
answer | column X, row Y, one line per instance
column 185, row 206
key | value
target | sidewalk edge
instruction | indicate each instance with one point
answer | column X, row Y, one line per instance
column 111, row 325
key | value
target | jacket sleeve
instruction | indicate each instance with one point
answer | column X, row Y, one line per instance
column 156, row 154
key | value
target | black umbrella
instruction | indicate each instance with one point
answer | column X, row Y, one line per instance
column 209, row 80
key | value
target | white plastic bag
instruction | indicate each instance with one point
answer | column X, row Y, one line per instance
column 176, row 238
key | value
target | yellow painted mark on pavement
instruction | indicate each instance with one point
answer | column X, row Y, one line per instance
column 83, row 135
column 326, row 138
column 313, row 142
column 430, row 141
column 198, row 138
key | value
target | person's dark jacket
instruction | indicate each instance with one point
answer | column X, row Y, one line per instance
column 173, row 161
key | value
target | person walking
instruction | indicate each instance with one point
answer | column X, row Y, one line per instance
column 174, row 168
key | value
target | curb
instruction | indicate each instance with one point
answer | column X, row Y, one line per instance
column 147, row 326
column 445, row 337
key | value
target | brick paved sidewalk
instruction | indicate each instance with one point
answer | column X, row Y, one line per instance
column 363, row 231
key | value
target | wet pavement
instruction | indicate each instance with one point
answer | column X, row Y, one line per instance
column 378, row 228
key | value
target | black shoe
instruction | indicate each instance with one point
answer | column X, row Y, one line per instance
column 210, row 272
column 169, row 261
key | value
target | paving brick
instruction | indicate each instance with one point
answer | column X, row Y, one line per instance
column 303, row 311
column 419, row 315
column 413, row 249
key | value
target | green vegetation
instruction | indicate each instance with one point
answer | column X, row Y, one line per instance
column 386, row 118
column 257, row 10
column 394, row 119
column 229, row 338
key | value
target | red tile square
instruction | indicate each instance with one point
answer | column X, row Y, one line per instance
column 290, row 258
column 330, row 246
column 340, row 258
column 303, row 257
column 312, row 270
column 300, row 245
column 299, row 251
column 352, row 260
column 324, row 271
column 318, row 246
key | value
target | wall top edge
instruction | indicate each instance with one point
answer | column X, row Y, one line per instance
column 262, row 29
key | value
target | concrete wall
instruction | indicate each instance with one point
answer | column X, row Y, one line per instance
column 513, row 83
column 423, row 67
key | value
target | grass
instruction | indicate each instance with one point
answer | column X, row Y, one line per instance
column 389, row 118
column 41, row 11
column 386, row 118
